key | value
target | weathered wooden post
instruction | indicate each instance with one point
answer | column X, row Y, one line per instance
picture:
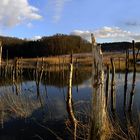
column 17, row 67
column 126, row 76
column 134, row 78
column 42, row 69
column 14, row 71
column 21, row 67
column 36, row 69
column 76, row 74
column 119, row 67
column 99, row 125
column 113, row 97
column 107, row 83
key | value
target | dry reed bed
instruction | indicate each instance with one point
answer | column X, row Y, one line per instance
column 21, row 106
column 82, row 59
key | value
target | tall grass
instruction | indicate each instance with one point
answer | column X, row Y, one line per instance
column 21, row 106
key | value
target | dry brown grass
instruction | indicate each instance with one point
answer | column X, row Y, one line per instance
column 20, row 106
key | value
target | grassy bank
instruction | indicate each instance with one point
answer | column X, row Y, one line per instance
column 84, row 59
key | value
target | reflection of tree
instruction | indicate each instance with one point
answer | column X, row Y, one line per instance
column 16, row 77
column 49, row 77
column 38, row 78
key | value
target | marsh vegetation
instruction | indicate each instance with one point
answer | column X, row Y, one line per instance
column 70, row 97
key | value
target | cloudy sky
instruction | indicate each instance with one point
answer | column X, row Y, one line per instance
column 109, row 20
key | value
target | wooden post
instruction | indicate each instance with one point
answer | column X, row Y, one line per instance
column 134, row 78
column 21, row 66
column 36, row 69
column 119, row 66
column 113, row 97
column 17, row 67
column 6, row 66
column 99, row 124
column 0, row 53
column 126, row 75
column 107, row 84
column 137, row 54
column 76, row 74
column 42, row 70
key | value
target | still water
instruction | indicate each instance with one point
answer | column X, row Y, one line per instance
column 37, row 110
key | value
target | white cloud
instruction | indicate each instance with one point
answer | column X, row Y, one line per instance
column 112, row 33
column 14, row 12
column 58, row 6
column 36, row 37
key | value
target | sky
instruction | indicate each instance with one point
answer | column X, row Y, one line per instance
column 108, row 20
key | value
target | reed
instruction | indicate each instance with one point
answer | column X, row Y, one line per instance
column 20, row 106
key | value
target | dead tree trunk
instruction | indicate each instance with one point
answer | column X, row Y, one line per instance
column 107, row 84
column 134, row 78
column 99, row 120
column 113, row 97
column 0, row 53
column 126, row 76
column 69, row 102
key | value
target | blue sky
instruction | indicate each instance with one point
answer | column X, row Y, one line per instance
column 109, row 20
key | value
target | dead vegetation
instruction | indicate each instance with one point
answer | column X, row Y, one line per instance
column 21, row 106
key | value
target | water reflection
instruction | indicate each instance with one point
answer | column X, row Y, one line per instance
column 44, row 101
column 40, row 101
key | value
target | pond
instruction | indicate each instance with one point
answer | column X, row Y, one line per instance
column 37, row 110
column 32, row 109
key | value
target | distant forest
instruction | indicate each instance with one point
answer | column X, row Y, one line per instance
column 118, row 46
column 46, row 46
column 58, row 44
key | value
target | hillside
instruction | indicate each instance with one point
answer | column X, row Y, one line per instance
column 58, row 44
column 47, row 46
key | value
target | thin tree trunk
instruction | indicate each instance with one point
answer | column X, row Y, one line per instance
column 113, row 97
column 69, row 102
column 126, row 76
column 134, row 79
column 107, row 84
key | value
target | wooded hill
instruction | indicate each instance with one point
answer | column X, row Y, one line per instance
column 46, row 46
column 54, row 45
column 118, row 46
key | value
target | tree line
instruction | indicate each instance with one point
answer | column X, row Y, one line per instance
column 118, row 46
column 58, row 44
